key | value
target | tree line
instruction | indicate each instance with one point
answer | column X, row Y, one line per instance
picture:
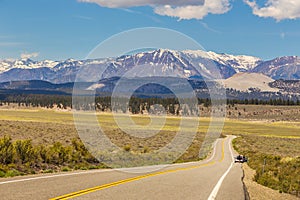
column 136, row 105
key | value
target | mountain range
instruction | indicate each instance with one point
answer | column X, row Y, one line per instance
column 190, row 64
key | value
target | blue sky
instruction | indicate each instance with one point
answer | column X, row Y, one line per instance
column 62, row 29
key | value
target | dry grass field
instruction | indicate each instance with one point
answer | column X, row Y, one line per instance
column 49, row 126
column 265, row 132
column 42, row 125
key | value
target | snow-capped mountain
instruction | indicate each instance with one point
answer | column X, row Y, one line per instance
column 287, row 67
column 240, row 63
column 191, row 64
column 157, row 63
column 9, row 64
column 47, row 70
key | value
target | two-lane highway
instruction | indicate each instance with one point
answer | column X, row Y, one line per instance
column 215, row 178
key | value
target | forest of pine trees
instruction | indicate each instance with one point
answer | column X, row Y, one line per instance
column 136, row 105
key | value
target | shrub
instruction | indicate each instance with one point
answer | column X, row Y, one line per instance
column 21, row 157
column 65, row 169
column 127, row 147
column 6, row 150
column 24, row 151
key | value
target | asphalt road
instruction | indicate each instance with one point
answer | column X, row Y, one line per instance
column 215, row 178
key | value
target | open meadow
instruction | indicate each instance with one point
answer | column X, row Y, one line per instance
column 47, row 126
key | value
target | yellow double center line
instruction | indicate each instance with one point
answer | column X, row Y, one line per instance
column 101, row 187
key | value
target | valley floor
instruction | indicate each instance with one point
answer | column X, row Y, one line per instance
column 274, row 130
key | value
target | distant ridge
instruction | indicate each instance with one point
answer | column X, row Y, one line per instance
column 164, row 62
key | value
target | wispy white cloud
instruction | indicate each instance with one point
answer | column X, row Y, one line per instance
column 153, row 18
column 29, row 55
column 207, row 27
column 277, row 9
column 182, row 9
column 130, row 11
column 83, row 17
column 283, row 34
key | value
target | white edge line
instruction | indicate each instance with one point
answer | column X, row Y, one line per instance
column 215, row 191
column 56, row 175
column 98, row 171
column 214, row 153
column 202, row 161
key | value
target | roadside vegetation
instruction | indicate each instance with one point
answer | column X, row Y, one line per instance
column 21, row 157
column 276, row 161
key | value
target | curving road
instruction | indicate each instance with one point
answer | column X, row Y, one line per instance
column 215, row 178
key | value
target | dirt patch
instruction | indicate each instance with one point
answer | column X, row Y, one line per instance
column 259, row 192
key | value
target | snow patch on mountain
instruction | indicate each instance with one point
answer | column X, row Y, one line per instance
column 240, row 63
